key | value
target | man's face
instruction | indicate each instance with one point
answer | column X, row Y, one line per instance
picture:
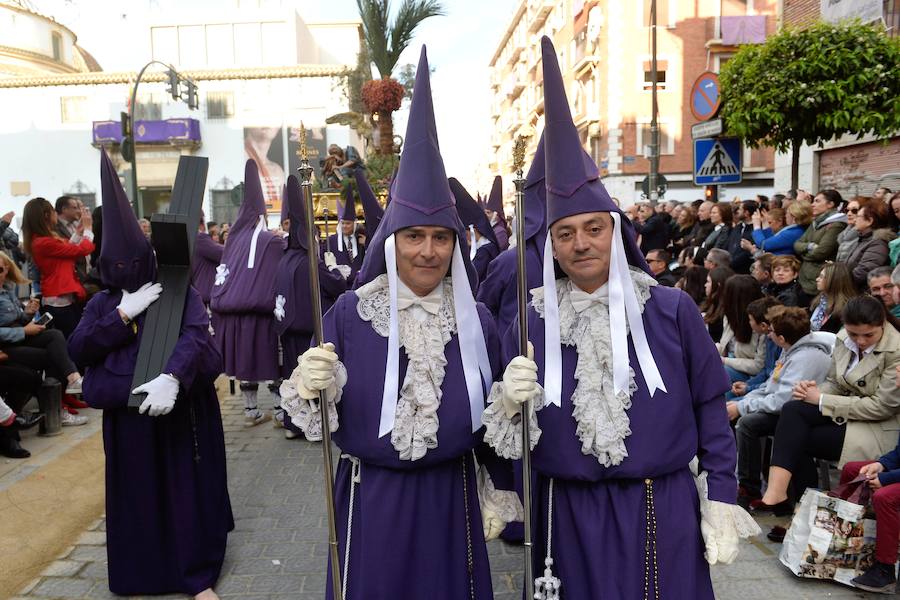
column 581, row 244
column 71, row 212
column 145, row 227
column 657, row 266
column 645, row 212
column 759, row 273
column 882, row 287
column 423, row 256
column 347, row 227
column 703, row 211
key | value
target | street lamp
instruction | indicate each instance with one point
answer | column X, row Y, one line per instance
column 129, row 151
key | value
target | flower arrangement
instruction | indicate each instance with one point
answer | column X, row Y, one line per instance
column 382, row 95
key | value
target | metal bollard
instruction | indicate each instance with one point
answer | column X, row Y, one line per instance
column 50, row 403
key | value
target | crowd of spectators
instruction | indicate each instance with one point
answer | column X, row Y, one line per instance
column 802, row 297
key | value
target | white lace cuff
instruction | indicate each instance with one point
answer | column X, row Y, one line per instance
column 503, row 503
column 726, row 519
column 503, row 433
column 305, row 413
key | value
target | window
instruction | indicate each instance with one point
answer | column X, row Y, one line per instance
column 56, row 44
column 149, row 108
column 219, row 105
column 661, row 68
column 663, row 14
column 666, row 141
column 73, row 109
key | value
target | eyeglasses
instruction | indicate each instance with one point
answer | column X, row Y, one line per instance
column 852, row 211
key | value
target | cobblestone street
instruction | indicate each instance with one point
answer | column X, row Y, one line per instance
column 278, row 547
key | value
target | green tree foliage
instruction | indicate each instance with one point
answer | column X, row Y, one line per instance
column 812, row 85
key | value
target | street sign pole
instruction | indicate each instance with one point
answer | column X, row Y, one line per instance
column 654, row 121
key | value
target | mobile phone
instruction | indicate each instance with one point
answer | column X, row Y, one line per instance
column 44, row 319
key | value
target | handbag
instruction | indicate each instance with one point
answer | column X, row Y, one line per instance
column 832, row 536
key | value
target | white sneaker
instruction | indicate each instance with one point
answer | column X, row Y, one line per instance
column 74, row 388
column 290, row 435
column 255, row 417
column 70, row 420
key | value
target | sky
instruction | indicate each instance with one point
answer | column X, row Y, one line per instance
column 460, row 47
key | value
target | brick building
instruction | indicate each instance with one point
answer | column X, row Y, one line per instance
column 604, row 54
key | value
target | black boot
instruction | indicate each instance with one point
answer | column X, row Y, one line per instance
column 22, row 422
column 11, row 448
column 879, row 578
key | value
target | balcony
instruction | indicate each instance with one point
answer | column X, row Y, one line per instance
column 516, row 46
column 538, row 14
column 584, row 58
column 175, row 132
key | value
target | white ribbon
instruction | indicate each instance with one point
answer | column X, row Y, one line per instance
column 552, row 352
column 472, row 347
column 221, row 274
column 260, row 227
column 472, row 248
column 620, row 277
column 279, row 307
column 392, row 368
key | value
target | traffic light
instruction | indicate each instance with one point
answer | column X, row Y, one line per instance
column 172, row 86
column 190, row 94
column 711, row 193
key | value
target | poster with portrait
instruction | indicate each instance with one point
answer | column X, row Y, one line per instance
column 265, row 145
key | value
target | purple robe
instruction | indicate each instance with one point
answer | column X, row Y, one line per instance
column 207, row 256
column 168, row 513
column 243, row 308
column 497, row 291
column 343, row 256
column 501, row 235
column 409, row 537
column 483, row 258
column 599, row 513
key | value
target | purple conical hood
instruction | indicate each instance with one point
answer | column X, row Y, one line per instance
column 253, row 204
column 572, row 179
column 420, row 194
column 296, row 212
column 284, row 208
column 536, row 197
column 347, row 210
column 469, row 211
column 495, row 200
column 126, row 258
column 371, row 209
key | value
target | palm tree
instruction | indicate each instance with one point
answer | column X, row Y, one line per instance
column 386, row 42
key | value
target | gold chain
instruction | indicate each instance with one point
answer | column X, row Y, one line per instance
column 650, row 558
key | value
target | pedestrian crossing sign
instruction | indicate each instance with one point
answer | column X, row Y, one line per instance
column 717, row 161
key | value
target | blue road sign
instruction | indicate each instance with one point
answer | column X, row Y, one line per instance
column 705, row 98
column 717, row 161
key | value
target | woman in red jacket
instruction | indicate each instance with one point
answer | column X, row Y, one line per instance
column 55, row 256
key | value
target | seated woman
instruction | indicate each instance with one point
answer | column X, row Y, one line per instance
column 693, row 282
column 852, row 416
column 871, row 251
column 835, row 290
column 784, row 286
column 742, row 349
column 713, row 309
column 32, row 345
column 883, row 476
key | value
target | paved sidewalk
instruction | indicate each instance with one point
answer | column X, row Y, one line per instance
column 278, row 549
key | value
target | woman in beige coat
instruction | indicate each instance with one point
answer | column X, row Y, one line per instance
column 852, row 416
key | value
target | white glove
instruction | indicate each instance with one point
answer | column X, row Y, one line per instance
column 520, row 382
column 315, row 371
column 492, row 524
column 330, row 260
column 719, row 535
column 161, row 394
column 134, row 303
column 344, row 270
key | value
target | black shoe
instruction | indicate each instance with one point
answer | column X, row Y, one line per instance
column 785, row 508
column 745, row 497
column 12, row 449
column 22, row 422
column 879, row 578
column 776, row 534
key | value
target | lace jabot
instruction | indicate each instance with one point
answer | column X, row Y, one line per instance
column 416, row 421
column 601, row 414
